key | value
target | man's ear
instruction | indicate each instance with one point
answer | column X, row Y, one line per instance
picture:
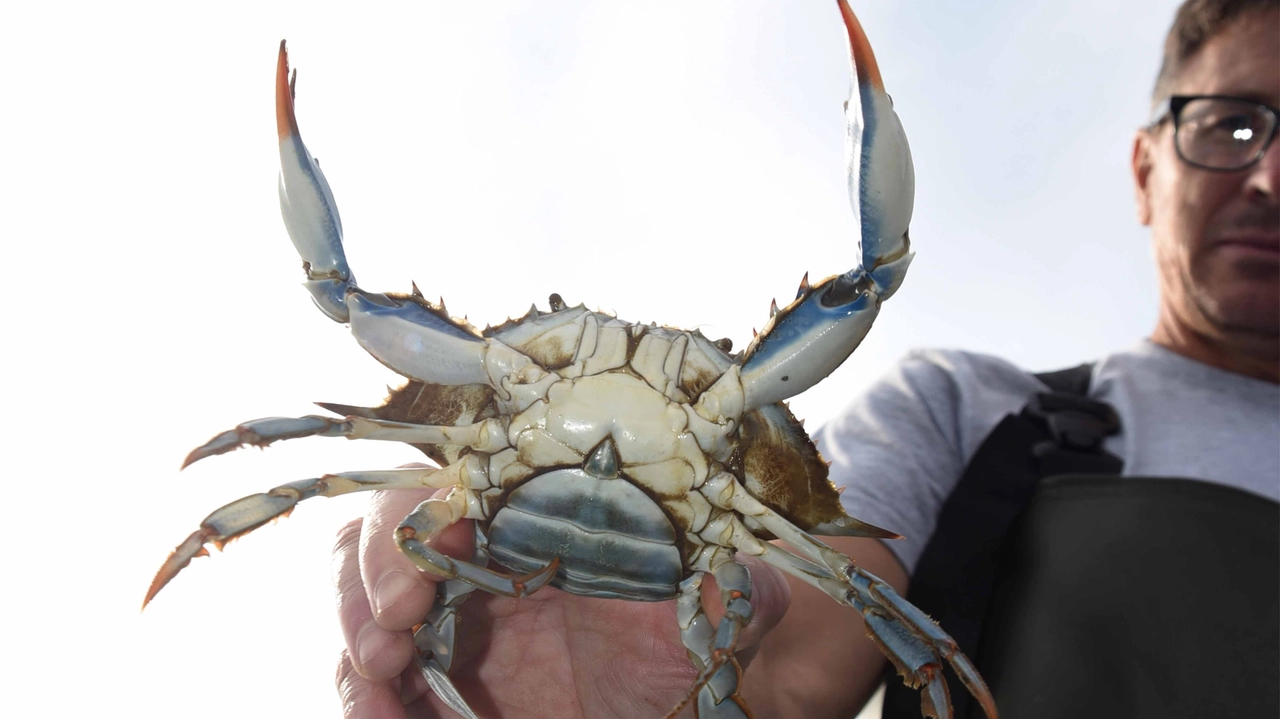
column 1141, row 165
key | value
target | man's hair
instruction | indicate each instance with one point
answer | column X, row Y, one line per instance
column 1195, row 23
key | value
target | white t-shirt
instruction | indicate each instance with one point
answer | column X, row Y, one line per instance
column 901, row 447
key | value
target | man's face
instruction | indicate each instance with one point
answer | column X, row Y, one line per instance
column 1217, row 234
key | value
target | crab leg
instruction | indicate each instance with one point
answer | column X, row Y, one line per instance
column 406, row 333
column 487, row 436
column 711, row 649
column 718, row 699
column 434, row 516
column 912, row 641
column 802, row 343
column 248, row 513
column 435, row 640
column 696, row 630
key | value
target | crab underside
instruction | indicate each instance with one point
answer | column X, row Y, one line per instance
column 607, row 458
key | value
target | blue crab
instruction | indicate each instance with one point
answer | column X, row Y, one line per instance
column 608, row 458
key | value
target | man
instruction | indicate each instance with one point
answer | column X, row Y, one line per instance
column 1200, row 399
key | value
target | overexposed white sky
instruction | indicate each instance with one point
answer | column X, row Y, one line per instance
column 671, row 161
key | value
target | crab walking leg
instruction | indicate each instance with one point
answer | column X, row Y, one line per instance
column 436, row 638
column 711, row 649
column 432, row 517
column 718, row 698
column 913, row 642
column 696, row 631
column 248, row 513
column 487, row 436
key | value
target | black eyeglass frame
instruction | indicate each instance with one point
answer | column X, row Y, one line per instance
column 1172, row 107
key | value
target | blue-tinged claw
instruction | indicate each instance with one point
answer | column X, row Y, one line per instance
column 881, row 175
column 805, row 342
column 306, row 202
column 410, row 336
column 416, row 341
column 808, row 339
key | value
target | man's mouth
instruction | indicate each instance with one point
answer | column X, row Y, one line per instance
column 1260, row 246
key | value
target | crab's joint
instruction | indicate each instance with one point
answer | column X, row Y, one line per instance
column 333, row 274
column 320, row 486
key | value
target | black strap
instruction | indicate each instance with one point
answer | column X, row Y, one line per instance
column 1072, row 380
column 1057, row 432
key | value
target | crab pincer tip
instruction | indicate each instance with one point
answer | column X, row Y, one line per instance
column 864, row 60
column 286, row 123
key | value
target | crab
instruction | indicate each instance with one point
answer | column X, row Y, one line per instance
column 608, row 458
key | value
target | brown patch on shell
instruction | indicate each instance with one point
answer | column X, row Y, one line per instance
column 782, row 468
column 556, row 348
column 697, row 374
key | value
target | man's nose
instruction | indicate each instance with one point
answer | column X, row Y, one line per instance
column 1264, row 178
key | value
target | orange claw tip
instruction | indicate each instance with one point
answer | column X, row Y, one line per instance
column 190, row 548
column 195, row 456
column 286, row 122
column 864, row 60
column 537, row 579
column 211, row 448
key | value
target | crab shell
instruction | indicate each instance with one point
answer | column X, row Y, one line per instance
column 769, row 451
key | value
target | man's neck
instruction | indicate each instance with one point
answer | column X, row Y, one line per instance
column 1252, row 355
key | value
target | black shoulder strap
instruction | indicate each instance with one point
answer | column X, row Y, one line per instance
column 1072, row 380
column 1057, row 432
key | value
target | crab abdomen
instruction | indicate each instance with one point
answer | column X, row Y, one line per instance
column 611, row 538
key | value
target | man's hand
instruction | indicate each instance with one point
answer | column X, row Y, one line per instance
column 551, row 654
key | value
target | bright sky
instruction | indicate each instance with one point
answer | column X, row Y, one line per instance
column 674, row 161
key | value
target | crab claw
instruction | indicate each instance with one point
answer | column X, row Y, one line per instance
column 808, row 339
column 408, row 334
column 310, row 213
column 882, row 178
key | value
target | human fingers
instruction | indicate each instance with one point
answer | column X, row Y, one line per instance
column 364, row 698
column 377, row 653
column 399, row 594
column 416, row 693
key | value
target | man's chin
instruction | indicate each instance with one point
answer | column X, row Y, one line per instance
column 1244, row 313
column 1245, row 325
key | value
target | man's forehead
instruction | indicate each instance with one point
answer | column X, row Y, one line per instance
column 1243, row 60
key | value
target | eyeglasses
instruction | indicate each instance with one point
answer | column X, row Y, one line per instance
column 1214, row 132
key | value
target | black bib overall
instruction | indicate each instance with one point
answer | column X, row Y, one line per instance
column 1080, row 593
